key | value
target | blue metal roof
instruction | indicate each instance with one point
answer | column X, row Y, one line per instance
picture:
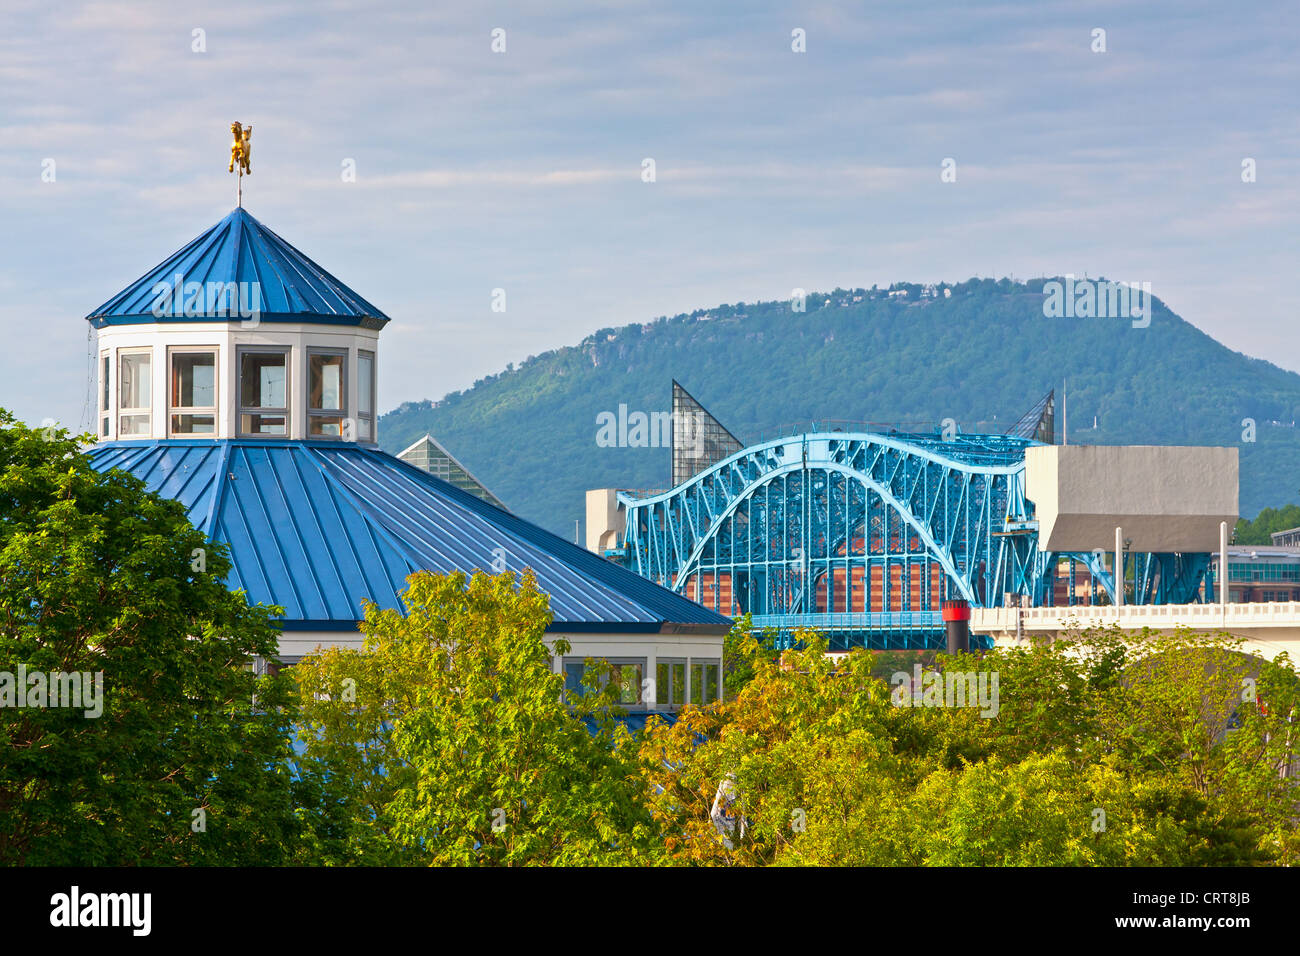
column 316, row 527
column 239, row 249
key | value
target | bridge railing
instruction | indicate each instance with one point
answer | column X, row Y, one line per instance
column 1275, row 613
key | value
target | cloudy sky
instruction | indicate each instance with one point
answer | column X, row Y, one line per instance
column 522, row 170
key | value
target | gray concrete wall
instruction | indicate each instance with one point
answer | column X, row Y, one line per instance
column 1166, row 498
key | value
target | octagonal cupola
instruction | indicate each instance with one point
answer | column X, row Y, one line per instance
column 237, row 335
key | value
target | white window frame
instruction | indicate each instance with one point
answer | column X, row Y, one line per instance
column 143, row 410
column 662, row 696
column 212, row 410
column 241, row 409
column 616, row 662
column 329, row 413
column 693, row 689
column 366, row 421
column 106, row 394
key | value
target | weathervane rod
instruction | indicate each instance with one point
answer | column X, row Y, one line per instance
column 240, row 151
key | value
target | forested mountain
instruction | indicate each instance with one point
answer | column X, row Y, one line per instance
column 980, row 352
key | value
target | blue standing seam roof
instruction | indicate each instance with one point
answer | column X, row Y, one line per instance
column 315, row 527
column 291, row 287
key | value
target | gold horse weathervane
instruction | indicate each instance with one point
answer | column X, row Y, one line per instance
column 239, row 154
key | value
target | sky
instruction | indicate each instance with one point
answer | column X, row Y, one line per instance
column 523, row 169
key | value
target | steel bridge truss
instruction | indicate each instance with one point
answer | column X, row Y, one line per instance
column 862, row 535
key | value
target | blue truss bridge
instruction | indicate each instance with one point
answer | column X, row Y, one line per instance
column 862, row 534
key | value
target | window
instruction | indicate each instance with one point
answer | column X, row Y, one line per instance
column 670, row 683
column 135, row 388
column 627, row 673
column 264, row 392
column 704, row 682
column 193, row 394
column 573, row 671
column 365, row 396
column 105, row 396
column 326, row 388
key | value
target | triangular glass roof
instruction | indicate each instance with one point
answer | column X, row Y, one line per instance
column 289, row 286
column 428, row 453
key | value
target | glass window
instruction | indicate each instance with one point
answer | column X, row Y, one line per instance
column 264, row 393
column 573, row 671
column 670, row 683
column 326, row 387
column 629, row 678
column 704, row 682
column 193, row 394
column 135, row 388
column 627, row 674
column 105, row 395
column 365, row 396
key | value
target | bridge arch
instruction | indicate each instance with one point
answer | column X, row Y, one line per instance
column 942, row 555
column 758, row 529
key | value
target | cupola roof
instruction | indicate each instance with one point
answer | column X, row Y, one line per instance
column 239, row 249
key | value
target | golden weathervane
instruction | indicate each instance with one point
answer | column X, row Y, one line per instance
column 239, row 154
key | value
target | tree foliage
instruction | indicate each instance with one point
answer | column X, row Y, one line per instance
column 1111, row 749
column 1261, row 529
column 188, row 761
column 447, row 739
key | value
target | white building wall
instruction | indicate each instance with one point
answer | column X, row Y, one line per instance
column 227, row 338
column 689, row 647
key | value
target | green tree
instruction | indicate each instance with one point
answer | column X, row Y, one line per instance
column 188, row 763
column 737, row 661
column 1111, row 749
column 447, row 738
column 1269, row 520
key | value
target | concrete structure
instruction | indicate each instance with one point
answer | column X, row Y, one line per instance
column 1267, row 629
column 606, row 521
column 1166, row 498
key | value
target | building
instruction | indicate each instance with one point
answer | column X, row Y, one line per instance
column 240, row 378
column 1258, row 574
column 1289, row 538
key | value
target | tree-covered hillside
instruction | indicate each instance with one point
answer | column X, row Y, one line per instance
column 981, row 352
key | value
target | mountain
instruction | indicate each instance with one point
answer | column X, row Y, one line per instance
column 981, row 351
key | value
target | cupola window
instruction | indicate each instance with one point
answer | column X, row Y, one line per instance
column 365, row 396
column 135, row 390
column 193, row 392
column 105, row 395
column 263, row 392
column 326, row 388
